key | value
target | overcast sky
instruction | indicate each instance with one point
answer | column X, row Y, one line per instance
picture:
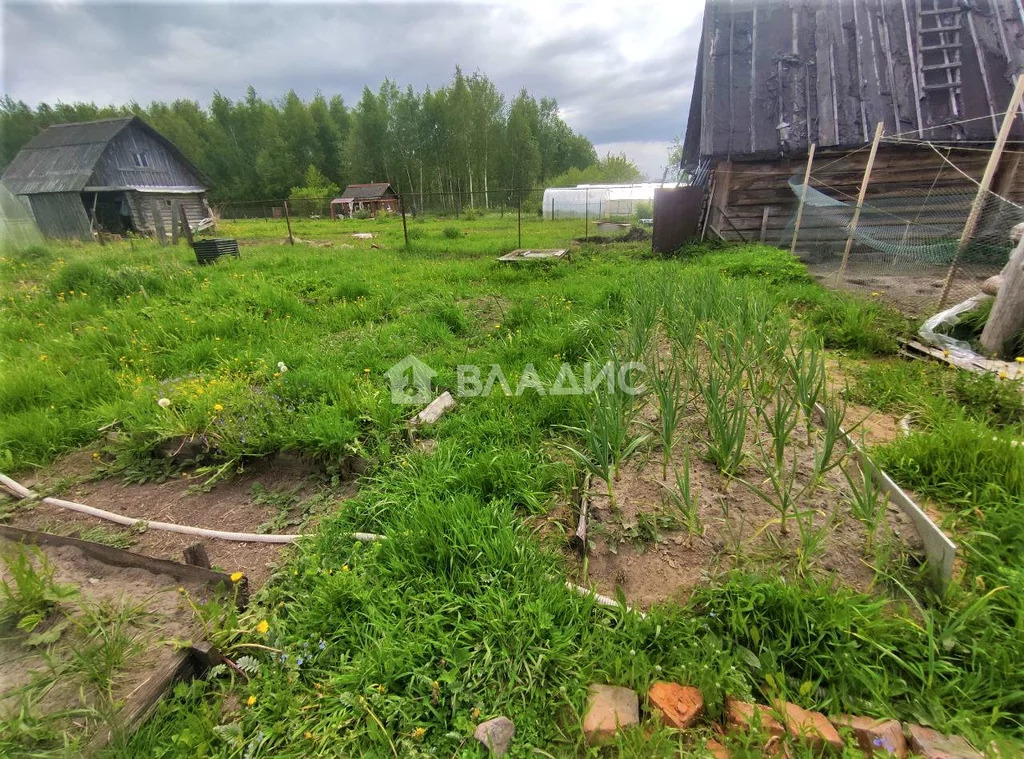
column 621, row 71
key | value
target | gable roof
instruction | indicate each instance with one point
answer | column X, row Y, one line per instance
column 62, row 157
column 368, row 191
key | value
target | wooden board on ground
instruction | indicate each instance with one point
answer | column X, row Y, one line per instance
column 118, row 557
column 527, row 254
column 1010, row 370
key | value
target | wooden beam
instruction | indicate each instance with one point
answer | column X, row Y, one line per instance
column 860, row 197
column 175, row 224
column 803, row 199
column 185, row 226
column 983, row 186
column 288, row 221
column 764, row 223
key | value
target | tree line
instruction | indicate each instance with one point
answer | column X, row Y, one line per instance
column 463, row 137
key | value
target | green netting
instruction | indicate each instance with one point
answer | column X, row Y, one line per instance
column 18, row 229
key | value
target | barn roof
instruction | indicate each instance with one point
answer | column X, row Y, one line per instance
column 62, row 157
column 367, row 191
column 774, row 75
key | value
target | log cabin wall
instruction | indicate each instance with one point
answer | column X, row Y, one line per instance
column 743, row 189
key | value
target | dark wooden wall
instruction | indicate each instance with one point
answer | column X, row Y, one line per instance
column 744, row 189
column 773, row 76
column 116, row 167
column 149, row 207
column 61, row 215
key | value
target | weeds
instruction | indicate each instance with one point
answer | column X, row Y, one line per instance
column 29, row 592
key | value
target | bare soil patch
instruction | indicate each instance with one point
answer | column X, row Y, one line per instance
column 645, row 551
column 144, row 617
column 277, row 494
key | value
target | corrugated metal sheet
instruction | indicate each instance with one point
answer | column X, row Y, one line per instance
column 774, row 75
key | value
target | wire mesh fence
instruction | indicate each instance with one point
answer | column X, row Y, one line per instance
column 515, row 209
column 909, row 241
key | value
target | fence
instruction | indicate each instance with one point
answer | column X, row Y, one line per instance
column 502, row 206
column 902, row 229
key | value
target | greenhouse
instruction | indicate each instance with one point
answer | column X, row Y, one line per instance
column 599, row 201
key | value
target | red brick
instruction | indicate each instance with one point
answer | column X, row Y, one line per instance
column 931, row 744
column 609, row 709
column 813, row 728
column 875, row 736
column 716, row 749
column 680, row 705
column 740, row 715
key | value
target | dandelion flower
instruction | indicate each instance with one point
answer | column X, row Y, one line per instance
column 874, row 294
column 281, row 367
column 366, row 371
column 236, row 576
column 945, row 353
column 1002, row 374
column 344, row 567
column 262, row 627
column 217, row 407
column 251, row 700
column 497, row 326
column 475, row 713
column 418, row 733
column 309, row 735
column 163, row 402
column 1019, row 359
column 43, row 357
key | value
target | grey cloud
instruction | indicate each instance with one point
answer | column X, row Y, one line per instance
column 611, row 92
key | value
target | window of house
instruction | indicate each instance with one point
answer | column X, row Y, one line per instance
column 141, row 160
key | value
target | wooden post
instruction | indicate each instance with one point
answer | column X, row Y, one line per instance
column 186, row 227
column 803, row 197
column 158, row 223
column 860, row 198
column 986, row 181
column 93, row 225
column 175, row 225
column 288, row 221
column 405, row 229
column 552, row 207
column 1007, row 317
column 519, row 219
column 764, row 222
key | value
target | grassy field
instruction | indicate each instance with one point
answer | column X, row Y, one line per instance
column 399, row 648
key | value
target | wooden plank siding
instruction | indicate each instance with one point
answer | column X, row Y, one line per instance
column 61, row 215
column 116, row 167
column 899, row 172
column 773, row 75
column 147, row 206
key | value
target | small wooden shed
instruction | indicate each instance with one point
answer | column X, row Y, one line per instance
column 118, row 175
column 372, row 197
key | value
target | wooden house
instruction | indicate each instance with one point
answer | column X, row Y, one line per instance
column 373, row 197
column 773, row 76
column 117, row 175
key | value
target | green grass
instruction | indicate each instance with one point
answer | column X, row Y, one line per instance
column 401, row 647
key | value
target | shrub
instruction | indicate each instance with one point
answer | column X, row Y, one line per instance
column 362, row 214
column 451, row 233
column 415, row 233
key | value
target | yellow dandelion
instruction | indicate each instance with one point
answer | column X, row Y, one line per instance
column 1019, row 359
column 251, row 700
column 874, row 294
column 309, row 735
column 43, row 357
column 217, row 407
column 344, row 567
column 262, row 627
column 945, row 353
column 236, row 576
column 181, row 590
column 497, row 326
column 366, row 371
column 1002, row 374
column 475, row 713
column 418, row 733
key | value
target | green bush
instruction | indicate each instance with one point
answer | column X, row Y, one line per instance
column 451, row 233
column 362, row 213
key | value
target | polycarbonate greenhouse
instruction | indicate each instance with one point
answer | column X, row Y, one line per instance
column 598, row 201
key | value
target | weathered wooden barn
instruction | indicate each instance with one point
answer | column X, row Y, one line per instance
column 773, row 76
column 118, row 175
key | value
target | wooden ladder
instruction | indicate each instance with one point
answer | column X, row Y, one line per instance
column 939, row 23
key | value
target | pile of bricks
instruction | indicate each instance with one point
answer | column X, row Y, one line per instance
column 611, row 709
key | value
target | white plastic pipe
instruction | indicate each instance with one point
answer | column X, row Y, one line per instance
column 20, row 491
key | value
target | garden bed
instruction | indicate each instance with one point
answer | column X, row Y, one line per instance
column 92, row 636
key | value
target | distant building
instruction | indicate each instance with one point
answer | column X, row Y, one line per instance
column 773, row 76
column 119, row 174
column 598, row 201
column 373, row 197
